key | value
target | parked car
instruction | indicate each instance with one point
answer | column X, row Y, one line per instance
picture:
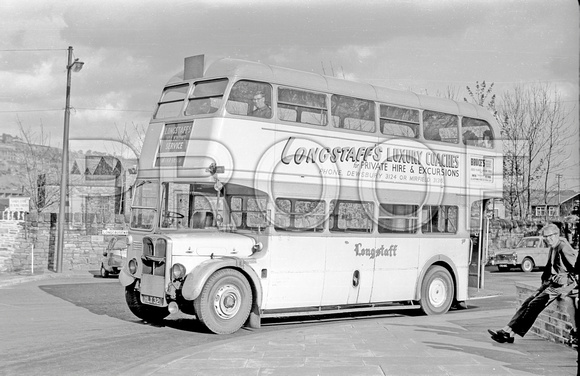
column 114, row 256
column 531, row 252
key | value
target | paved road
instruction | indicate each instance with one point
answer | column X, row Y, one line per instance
column 81, row 326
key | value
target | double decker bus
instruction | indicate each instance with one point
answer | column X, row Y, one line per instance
column 270, row 192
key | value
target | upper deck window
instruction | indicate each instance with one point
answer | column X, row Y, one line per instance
column 353, row 113
column 438, row 126
column 302, row 106
column 171, row 102
column 206, row 98
column 476, row 132
column 250, row 98
column 398, row 121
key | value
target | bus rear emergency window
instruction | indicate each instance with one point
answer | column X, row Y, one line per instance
column 171, row 102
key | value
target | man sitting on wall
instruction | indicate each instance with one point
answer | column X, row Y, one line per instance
column 558, row 280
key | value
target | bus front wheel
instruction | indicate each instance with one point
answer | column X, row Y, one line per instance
column 225, row 301
column 143, row 311
column 436, row 291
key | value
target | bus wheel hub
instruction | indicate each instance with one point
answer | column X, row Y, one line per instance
column 227, row 301
column 437, row 293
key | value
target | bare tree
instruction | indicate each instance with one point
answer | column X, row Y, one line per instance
column 558, row 134
column 533, row 122
column 41, row 170
column 450, row 92
column 513, row 163
column 133, row 139
column 481, row 94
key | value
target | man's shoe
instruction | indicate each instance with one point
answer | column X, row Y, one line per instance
column 501, row 336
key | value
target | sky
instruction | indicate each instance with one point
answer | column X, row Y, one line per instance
column 132, row 48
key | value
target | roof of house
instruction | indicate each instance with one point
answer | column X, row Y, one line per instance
column 537, row 197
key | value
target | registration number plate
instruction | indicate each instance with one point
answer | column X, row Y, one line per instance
column 154, row 300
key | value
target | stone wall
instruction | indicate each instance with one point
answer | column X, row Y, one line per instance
column 28, row 245
column 554, row 322
column 506, row 234
column 16, row 247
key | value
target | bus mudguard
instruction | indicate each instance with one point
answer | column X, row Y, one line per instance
column 435, row 260
column 196, row 279
column 125, row 278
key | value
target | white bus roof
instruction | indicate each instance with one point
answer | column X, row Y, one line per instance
column 243, row 69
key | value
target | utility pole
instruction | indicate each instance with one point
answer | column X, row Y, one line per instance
column 70, row 66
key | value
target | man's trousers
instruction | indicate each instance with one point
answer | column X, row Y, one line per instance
column 525, row 316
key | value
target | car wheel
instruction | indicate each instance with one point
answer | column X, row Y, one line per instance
column 104, row 272
column 527, row 265
column 225, row 301
column 143, row 311
column 436, row 291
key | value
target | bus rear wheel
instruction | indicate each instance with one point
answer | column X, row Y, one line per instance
column 143, row 311
column 225, row 302
column 436, row 291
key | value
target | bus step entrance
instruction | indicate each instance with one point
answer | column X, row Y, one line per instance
column 475, row 293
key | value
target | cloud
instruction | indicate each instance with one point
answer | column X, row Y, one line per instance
column 29, row 85
column 131, row 48
column 35, row 24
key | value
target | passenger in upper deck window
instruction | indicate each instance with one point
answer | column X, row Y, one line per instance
column 261, row 109
column 470, row 138
column 432, row 133
column 487, row 137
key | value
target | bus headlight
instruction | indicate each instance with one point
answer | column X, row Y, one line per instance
column 132, row 266
column 177, row 271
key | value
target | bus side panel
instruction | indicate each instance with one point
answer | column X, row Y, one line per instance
column 296, row 272
column 348, row 277
column 444, row 250
column 395, row 269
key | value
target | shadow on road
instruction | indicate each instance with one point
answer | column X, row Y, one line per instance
column 108, row 298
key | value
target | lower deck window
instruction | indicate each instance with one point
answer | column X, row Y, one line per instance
column 351, row 216
column 398, row 218
column 439, row 219
column 248, row 212
column 299, row 215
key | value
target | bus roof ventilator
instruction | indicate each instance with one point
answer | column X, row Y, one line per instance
column 193, row 67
